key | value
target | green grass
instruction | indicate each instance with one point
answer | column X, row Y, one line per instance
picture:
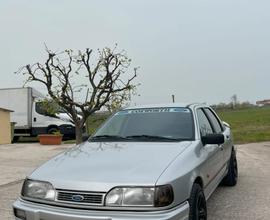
column 248, row 125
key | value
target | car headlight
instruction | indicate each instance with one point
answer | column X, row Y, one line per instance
column 158, row 196
column 38, row 190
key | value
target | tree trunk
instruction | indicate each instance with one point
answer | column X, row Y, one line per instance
column 79, row 133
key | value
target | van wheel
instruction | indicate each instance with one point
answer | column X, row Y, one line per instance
column 15, row 139
column 197, row 203
column 232, row 176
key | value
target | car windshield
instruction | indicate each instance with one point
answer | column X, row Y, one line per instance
column 151, row 124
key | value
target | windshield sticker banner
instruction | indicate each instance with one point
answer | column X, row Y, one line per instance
column 153, row 110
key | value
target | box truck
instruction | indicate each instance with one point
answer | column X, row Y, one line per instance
column 30, row 117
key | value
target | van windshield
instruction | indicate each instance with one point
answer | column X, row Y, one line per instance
column 48, row 108
column 148, row 124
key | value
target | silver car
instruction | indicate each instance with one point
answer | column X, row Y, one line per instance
column 150, row 162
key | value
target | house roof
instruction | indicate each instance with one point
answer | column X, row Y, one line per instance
column 266, row 101
column 5, row 110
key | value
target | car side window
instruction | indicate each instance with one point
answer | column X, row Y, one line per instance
column 214, row 121
column 204, row 124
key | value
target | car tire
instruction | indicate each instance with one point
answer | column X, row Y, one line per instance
column 232, row 176
column 197, row 204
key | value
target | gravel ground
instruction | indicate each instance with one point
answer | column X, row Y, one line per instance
column 249, row 200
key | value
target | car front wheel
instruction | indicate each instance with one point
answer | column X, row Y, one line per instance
column 197, row 203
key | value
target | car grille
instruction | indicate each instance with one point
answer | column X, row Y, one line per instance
column 80, row 197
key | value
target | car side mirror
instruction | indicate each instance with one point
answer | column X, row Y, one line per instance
column 213, row 139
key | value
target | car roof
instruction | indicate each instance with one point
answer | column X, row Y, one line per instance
column 165, row 105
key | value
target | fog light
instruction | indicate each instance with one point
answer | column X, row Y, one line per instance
column 20, row 214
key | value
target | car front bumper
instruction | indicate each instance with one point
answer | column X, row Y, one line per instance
column 35, row 211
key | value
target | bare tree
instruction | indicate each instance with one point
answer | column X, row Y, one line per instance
column 107, row 74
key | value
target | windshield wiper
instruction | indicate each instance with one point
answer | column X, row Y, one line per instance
column 152, row 137
column 111, row 137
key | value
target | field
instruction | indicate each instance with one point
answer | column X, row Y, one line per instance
column 248, row 125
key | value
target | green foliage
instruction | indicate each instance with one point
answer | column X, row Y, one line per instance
column 248, row 125
column 95, row 120
column 228, row 106
column 57, row 133
column 48, row 106
column 120, row 100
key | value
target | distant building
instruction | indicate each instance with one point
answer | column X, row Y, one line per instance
column 263, row 102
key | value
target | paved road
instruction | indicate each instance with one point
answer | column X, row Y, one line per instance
column 249, row 200
column 16, row 161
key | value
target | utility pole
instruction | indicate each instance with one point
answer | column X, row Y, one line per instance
column 173, row 100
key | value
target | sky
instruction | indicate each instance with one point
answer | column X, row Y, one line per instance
column 198, row 50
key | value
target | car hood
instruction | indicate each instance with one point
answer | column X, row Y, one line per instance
column 100, row 166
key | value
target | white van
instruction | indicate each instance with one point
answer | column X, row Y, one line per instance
column 30, row 118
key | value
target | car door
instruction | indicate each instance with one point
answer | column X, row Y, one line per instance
column 219, row 128
column 211, row 153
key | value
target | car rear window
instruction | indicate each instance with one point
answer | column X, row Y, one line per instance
column 215, row 122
